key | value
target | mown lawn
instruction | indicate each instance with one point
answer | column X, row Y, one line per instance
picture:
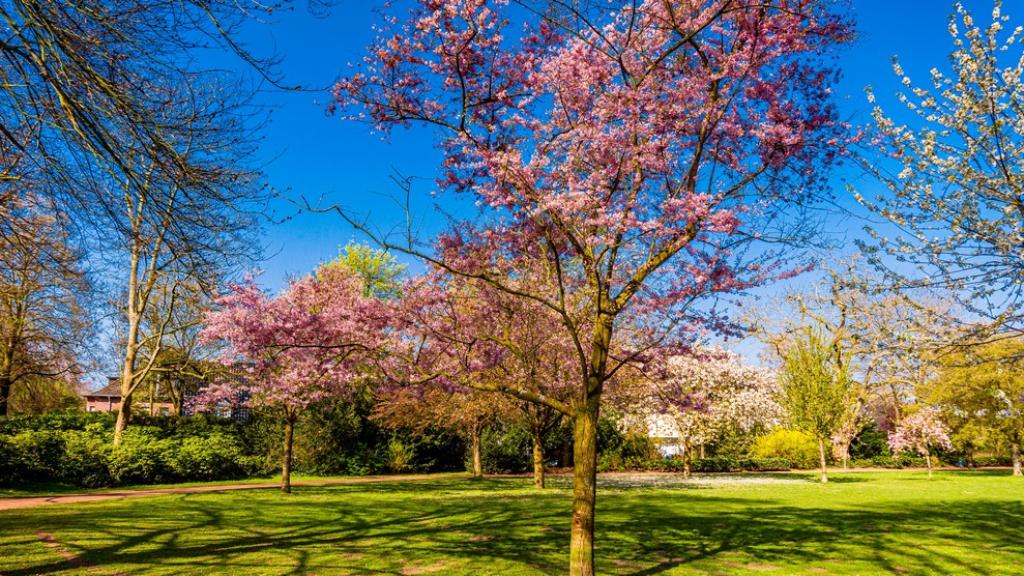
column 861, row 523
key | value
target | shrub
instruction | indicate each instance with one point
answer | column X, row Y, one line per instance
column 993, row 461
column 37, row 454
column 86, row 459
column 10, row 462
column 213, row 457
column 400, row 456
column 869, row 442
column 798, row 448
column 703, row 465
column 142, row 458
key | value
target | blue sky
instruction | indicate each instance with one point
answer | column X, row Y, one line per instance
column 308, row 154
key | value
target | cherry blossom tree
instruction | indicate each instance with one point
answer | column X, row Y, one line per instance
column 483, row 339
column 952, row 173
column 465, row 411
column 920, row 432
column 633, row 152
column 313, row 341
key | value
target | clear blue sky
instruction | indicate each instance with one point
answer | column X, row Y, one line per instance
column 308, row 153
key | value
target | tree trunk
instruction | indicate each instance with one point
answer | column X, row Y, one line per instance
column 702, row 455
column 286, row 459
column 538, row 460
column 124, row 414
column 584, row 497
column 928, row 462
column 686, row 459
column 1015, row 449
column 478, row 469
column 5, row 395
column 824, row 465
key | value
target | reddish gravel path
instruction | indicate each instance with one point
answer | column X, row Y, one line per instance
column 32, row 501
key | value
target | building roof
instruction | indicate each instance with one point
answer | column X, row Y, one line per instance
column 111, row 390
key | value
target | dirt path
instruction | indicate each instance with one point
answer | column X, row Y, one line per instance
column 32, row 501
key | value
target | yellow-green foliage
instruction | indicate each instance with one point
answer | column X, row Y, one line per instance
column 800, row 448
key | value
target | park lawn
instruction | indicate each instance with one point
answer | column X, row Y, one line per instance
column 860, row 523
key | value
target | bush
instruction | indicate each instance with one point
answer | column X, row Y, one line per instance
column 892, row 461
column 798, row 448
column 213, row 457
column 37, row 455
column 870, row 442
column 702, row 465
column 142, row 458
column 86, row 460
column 993, row 461
column 400, row 456
column 504, row 450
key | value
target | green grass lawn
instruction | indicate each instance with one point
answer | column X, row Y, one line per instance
column 861, row 523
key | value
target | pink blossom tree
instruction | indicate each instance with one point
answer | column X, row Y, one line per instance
column 632, row 154
column 313, row 341
column 489, row 340
column 920, row 432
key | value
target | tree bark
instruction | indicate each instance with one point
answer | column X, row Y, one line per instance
column 478, row 469
column 928, row 462
column 584, row 498
column 286, row 459
column 1015, row 449
column 5, row 395
column 686, row 459
column 538, row 460
column 124, row 414
column 824, row 465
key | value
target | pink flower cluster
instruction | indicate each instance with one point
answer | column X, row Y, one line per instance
column 317, row 338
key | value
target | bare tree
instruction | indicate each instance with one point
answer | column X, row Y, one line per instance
column 41, row 294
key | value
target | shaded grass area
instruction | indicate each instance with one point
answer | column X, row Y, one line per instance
column 862, row 523
column 32, row 489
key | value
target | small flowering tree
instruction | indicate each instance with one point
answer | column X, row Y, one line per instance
column 920, row 432
column 313, row 341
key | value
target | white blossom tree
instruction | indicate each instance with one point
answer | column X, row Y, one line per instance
column 954, row 173
column 707, row 392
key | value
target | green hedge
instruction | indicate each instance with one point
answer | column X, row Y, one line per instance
column 144, row 456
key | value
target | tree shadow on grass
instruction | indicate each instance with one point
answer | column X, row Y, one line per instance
column 381, row 528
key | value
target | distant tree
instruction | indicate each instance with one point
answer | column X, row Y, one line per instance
column 815, row 390
column 707, row 392
column 952, row 174
column 171, row 241
column 316, row 340
column 886, row 340
column 43, row 289
column 920, row 432
column 379, row 270
column 980, row 391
